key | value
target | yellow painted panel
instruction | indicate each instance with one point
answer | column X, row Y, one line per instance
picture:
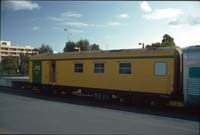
column 45, row 72
column 142, row 78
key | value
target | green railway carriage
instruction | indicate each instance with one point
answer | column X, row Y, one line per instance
column 133, row 71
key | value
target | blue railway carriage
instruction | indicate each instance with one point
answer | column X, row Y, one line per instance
column 191, row 75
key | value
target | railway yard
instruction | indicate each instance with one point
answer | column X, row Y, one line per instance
column 27, row 112
column 100, row 68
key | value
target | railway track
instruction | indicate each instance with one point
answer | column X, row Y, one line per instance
column 192, row 114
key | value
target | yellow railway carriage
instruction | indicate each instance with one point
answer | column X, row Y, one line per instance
column 133, row 71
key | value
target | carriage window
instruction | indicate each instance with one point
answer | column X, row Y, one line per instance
column 125, row 68
column 99, row 67
column 194, row 72
column 160, row 68
column 78, row 68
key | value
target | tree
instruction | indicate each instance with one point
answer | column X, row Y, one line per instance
column 24, row 66
column 94, row 47
column 154, row 45
column 148, row 46
column 69, row 47
column 83, row 44
column 167, row 41
column 157, row 44
column 9, row 65
column 45, row 49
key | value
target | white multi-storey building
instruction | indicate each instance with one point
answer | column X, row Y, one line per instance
column 6, row 49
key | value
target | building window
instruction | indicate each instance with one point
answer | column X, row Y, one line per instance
column 160, row 68
column 99, row 67
column 4, row 43
column 125, row 68
column 78, row 68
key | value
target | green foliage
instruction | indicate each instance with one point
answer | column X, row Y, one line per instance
column 166, row 41
column 45, row 49
column 154, row 45
column 9, row 65
column 24, row 66
column 69, row 47
column 13, row 66
column 148, row 46
column 83, row 44
column 94, row 47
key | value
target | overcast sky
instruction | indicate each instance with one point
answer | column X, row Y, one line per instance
column 112, row 25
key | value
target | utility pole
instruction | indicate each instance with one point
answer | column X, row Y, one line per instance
column 141, row 44
column 68, row 34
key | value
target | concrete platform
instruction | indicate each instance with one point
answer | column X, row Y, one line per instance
column 7, row 81
column 19, row 114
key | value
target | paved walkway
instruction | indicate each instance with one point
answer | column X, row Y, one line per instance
column 19, row 114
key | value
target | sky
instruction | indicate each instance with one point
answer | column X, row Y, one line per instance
column 111, row 24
